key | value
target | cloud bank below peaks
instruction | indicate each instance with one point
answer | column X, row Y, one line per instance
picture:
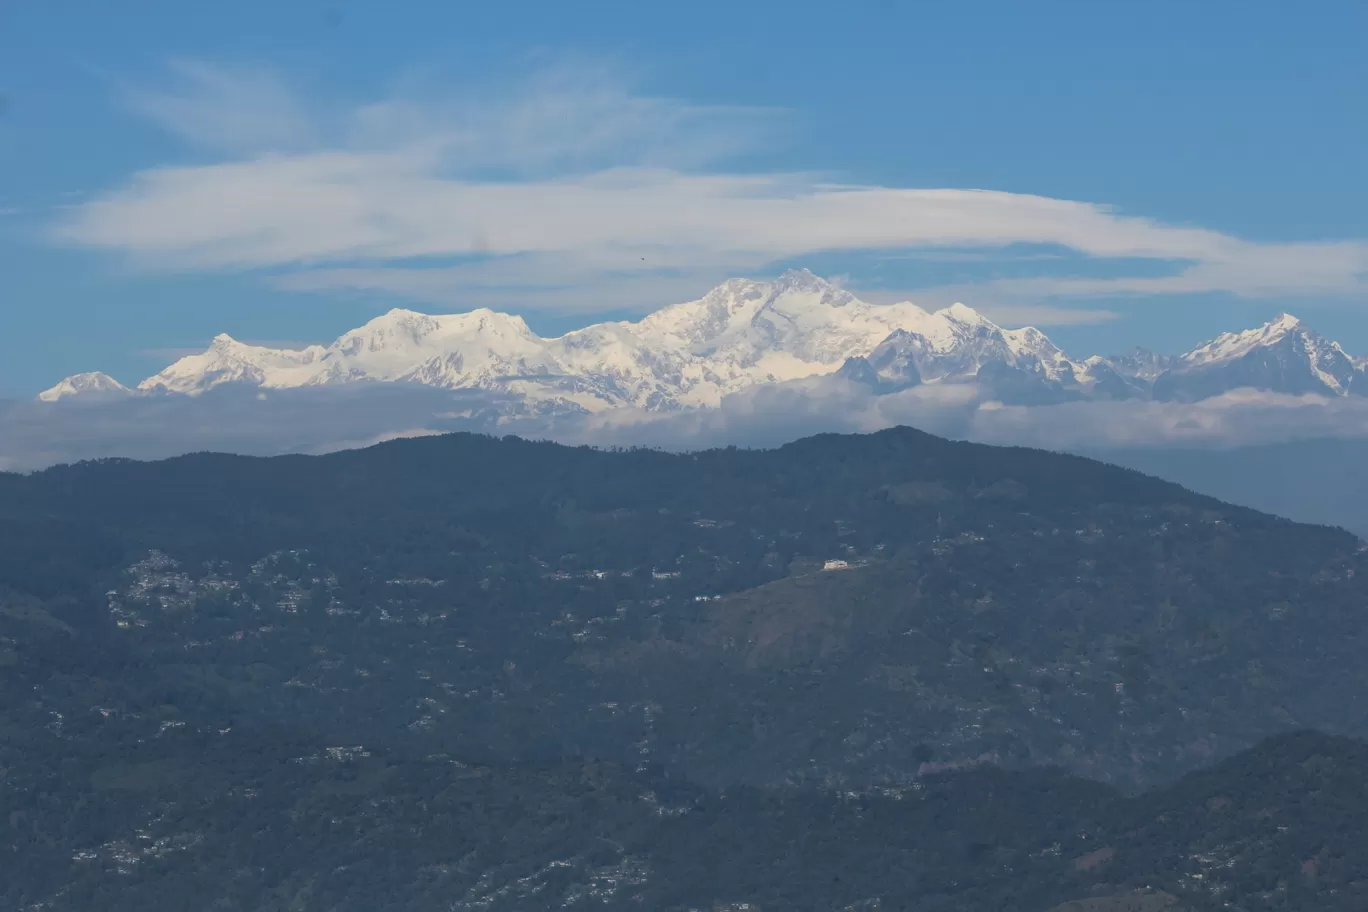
column 571, row 192
column 323, row 419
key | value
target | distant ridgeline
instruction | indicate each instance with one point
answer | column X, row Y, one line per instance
column 740, row 335
column 516, row 675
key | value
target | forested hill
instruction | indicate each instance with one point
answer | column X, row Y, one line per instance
column 513, row 600
column 447, row 670
column 903, row 484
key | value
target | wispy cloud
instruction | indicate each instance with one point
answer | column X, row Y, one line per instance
column 522, row 282
column 1332, row 268
column 573, row 192
column 242, row 110
column 571, row 117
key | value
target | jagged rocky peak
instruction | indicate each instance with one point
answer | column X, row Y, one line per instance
column 963, row 313
column 226, row 346
column 802, row 280
column 1283, row 355
column 1138, row 363
column 746, row 332
column 796, row 292
column 895, row 362
column 1230, row 345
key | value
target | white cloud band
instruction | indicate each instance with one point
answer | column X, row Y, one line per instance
column 601, row 188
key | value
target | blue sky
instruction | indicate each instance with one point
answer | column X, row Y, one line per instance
column 1158, row 172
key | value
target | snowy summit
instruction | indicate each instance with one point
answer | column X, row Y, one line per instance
column 741, row 334
column 89, row 384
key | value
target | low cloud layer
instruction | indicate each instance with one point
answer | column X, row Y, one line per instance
column 33, row 435
column 574, row 193
column 768, row 415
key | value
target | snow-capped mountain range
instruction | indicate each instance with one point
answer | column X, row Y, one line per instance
column 741, row 334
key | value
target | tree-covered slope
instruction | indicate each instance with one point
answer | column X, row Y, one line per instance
column 490, row 672
column 528, row 601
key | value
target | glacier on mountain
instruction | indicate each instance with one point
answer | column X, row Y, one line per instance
column 1283, row 355
column 92, row 383
column 743, row 334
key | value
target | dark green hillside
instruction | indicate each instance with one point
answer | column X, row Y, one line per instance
column 529, row 602
column 422, row 674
